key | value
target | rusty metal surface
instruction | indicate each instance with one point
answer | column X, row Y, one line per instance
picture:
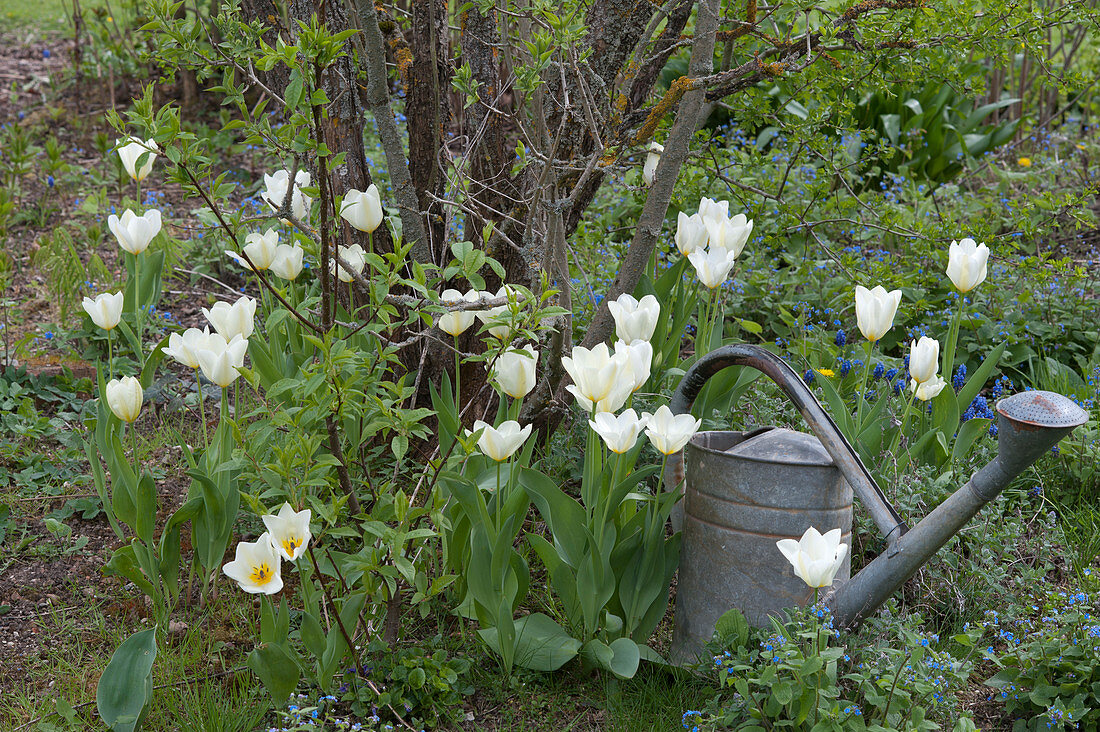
column 1042, row 409
column 735, row 509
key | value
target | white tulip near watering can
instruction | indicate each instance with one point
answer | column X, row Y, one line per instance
column 744, row 491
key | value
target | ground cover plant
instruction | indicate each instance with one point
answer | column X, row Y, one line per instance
column 339, row 341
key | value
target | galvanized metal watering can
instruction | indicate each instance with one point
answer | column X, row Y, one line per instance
column 746, row 490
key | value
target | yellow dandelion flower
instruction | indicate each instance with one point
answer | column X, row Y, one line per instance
column 828, row 373
column 1024, row 162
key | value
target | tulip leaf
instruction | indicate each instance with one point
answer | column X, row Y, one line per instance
column 969, row 433
column 277, row 670
column 540, row 643
column 125, row 689
column 124, row 563
column 981, row 375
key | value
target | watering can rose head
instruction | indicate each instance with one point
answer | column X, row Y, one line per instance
column 966, row 264
column 256, row 567
column 875, row 310
column 816, row 558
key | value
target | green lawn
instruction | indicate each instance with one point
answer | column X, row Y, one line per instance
column 41, row 15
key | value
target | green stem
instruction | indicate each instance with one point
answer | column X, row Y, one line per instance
column 498, row 500
column 948, row 365
column 868, row 347
column 139, row 315
column 904, row 421
column 202, row 411
column 110, row 356
column 458, row 384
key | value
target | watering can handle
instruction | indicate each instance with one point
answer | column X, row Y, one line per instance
column 842, row 453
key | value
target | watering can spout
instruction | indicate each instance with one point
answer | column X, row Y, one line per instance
column 1028, row 425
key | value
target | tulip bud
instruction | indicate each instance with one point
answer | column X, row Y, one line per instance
column 134, row 233
column 287, row 263
column 728, row 234
column 356, row 259
column 220, row 360
column 256, row 567
column 711, row 209
column 124, row 397
column 233, row 320
column 712, row 266
column 928, row 389
column 105, row 311
column 816, row 559
column 924, row 358
column 875, row 310
column 501, row 443
column 131, row 152
column 499, row 315
column 640, row 355
column 966, row 264
column 619, row 433
column 635, row 320
column 275, row 195
column 649, row 170
column 456, row 322
column 260, row 248
column 514, row 371
column 362, row 209
column 670, row 432
column 289, row 531
column 691, row 233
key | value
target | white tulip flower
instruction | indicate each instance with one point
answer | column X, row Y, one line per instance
column 362, row 209
column 260, row 248
column 966, row 264
column 729, row 234
column 514, row 371
column 640, row 354
column 457, row 322
column 500, row 443
column 185, row 348
column 124, row 397
column 635, row 320
column 924, row 359
column 691, row 233
column 287, row 263
column 289, row 531
column 220, row 360
column 649, row 170
column 711, row 209
column 105, row 310
column 928, row 389
column 256, row 567
column 134, row 233
column 495, row 314
column 600, row 380
column 712, row 266
column 238, row 319
column 670, row 432
column 875, row 310
column 619, row 433
column 816, row 559
column 356, row 258
column 132, row 151
column 277, row 185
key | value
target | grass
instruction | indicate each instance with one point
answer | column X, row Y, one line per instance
column 39, row 15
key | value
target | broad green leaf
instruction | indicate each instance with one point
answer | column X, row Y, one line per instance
column 125, row 689
column 276, row 669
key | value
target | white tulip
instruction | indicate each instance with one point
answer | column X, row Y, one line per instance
column 362, row 209
column 514, row 371
column 600, row 380
column 106, row 310
column 875, row 310
column 275, row 194
column 711, row 209
column 256, row 567
column 287, row 263
column 260, row 248
column 500, row 443
column 135, row 232
column 238, row 319
column 124, row 397
column 185, row 348
column 729, row 234
column 712, row 266
column 670, row 432
column 131, row 152
column 220, row 360
column 816, row 559
column 928, row 389
column 289, row 531
column 457, row 322
column 502, row 327
column 356, row 258
column 649, row 170
column 634, row 319
column 640, row 354
column 924, row 359
column 691, row 233
column 619, row 433
column 966, row 264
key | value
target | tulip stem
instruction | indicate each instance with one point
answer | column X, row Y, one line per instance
column 869, row 347
column 458, row 384
column 110, row 356
column 139, row 320
column 952, row 340
column 497, row 500
column 202, row 410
